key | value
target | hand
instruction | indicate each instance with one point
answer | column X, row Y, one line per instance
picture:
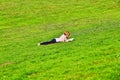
column 71, row 39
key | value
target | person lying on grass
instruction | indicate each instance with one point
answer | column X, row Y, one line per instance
column 63, row 38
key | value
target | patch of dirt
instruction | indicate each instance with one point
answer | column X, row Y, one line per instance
column 6, row 63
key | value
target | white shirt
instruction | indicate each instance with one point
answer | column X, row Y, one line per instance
column 61, row 38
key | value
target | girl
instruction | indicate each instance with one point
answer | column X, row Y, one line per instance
column 63, row 38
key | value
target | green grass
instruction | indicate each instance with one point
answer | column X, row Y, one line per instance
column 94, row 55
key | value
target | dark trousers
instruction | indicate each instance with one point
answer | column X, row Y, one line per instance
column 48, row 42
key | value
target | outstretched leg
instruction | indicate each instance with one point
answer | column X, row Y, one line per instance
column 48, row 42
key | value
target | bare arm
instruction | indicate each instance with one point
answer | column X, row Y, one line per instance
column 64, row 39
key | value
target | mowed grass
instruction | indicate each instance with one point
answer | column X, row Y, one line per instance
column 94, row 55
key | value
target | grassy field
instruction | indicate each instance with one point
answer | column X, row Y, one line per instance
column 94, row 55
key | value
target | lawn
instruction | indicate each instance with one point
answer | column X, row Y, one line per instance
column 94, row 55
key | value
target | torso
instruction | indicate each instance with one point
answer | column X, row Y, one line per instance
column 62, row 37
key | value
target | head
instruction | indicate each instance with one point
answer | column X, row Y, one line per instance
column 67, row 34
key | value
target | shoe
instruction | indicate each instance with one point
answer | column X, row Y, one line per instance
column 38, row 44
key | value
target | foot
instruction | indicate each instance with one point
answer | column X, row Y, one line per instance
column 38, row 44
